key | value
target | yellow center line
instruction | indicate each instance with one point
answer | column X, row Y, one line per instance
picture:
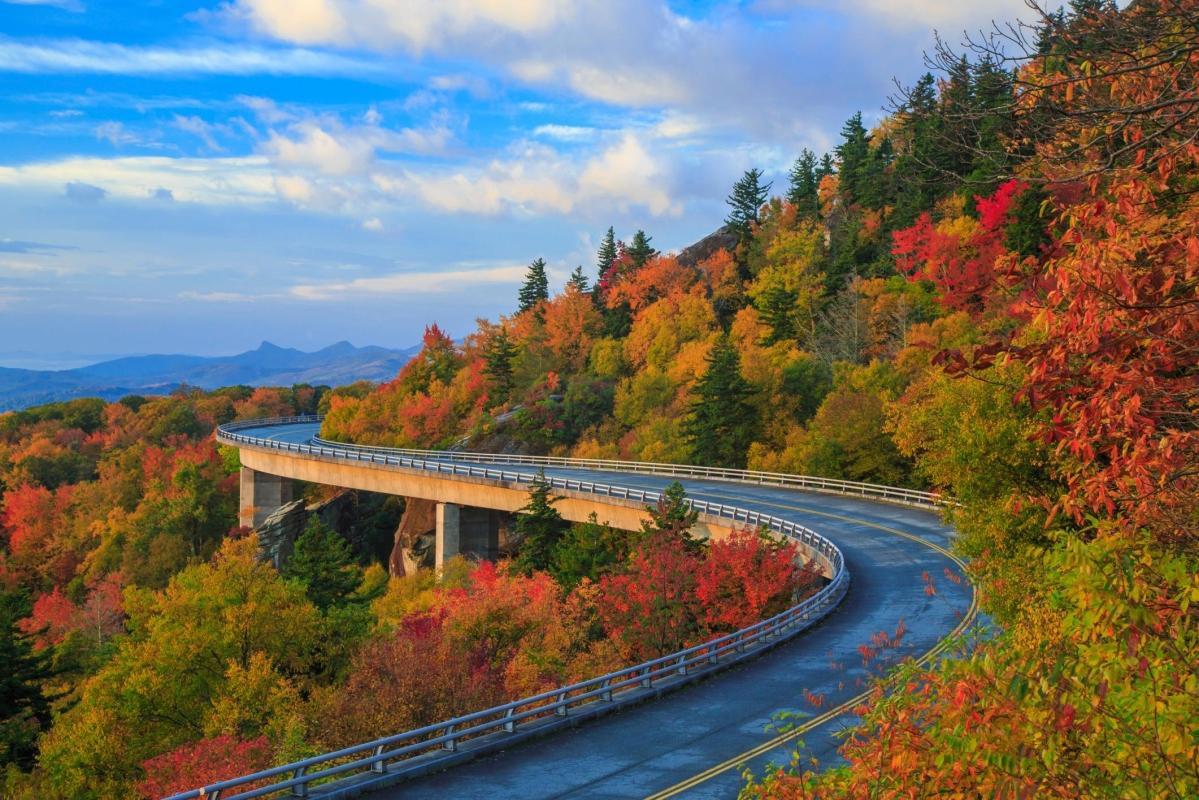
column 836, row 711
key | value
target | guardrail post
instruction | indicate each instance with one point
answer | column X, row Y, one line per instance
column 561, row 710
column 607, row 693
column 509, row 723
column 646, row 680
column 451, row 743
column 300, row 789
column 682, row 665
column 379, row 766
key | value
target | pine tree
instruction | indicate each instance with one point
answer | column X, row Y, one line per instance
column 24, row 708
column 853, row 154
column 536, row 287
column 672, row 514
column 323, row 563
column 804, row 183
column 827, row 167
column 745, row 202
column 588, row 550
column 578, row 280
column 606, row 254
column 776, row 307
column 539, row 528
column 722, row 422
column 640, row 251
column 497, row 365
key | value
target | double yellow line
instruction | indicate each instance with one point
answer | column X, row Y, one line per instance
column 836, row 711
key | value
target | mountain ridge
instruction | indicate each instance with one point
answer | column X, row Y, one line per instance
column 160, row 373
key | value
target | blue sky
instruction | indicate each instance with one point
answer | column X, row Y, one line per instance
column 200, row 176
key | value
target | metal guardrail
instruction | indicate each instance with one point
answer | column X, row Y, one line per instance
column 389, row 755
column 870, row 491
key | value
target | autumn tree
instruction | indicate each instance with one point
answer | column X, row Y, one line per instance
column 721, row 421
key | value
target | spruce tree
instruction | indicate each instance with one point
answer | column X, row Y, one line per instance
column 722, row 422
column 536, row 287
column 745, row 201
column 539, row 527
column 803, row 184
column 672, row 515
column 776, row 308
column 606, row 254
column 24, row 707
column 578, row 280
column 827, row 167
column 497, row 365
column 640, row 251
column 853, row 154
column 588, row 550
column 323, row 563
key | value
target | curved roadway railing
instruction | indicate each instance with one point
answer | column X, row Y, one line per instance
column 492, row 728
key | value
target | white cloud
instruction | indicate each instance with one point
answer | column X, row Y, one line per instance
column 68, row 5
column 217, row 297
column 415, row 24
column 331, row 148
column 219, row 181
column 199, row 128
column 294, row 189
column 567, row 133
column 629, row 175
column 77, row 55
column 948, row 16
column 115, row 134
column 374, row 224
column 413, row 282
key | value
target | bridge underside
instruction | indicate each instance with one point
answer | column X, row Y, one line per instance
column 464, row 521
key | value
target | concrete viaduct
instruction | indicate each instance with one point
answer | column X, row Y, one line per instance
column 697, row 735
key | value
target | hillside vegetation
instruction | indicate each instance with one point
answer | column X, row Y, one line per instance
column 994, row 293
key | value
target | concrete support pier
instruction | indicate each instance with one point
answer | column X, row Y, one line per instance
column 466, row 530
column 261, row 494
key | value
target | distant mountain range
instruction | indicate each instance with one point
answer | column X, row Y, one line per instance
column 269, row 365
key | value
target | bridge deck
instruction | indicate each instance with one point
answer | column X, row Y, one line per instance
column 649, row 748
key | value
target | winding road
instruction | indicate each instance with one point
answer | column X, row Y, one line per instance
column 695, row 742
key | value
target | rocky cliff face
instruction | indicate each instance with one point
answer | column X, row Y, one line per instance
column 413, row 544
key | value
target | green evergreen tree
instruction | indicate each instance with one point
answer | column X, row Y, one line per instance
column 536, row 287
column 323, row 563
column 639, row 250
column 776, row 308
column 588, row 550
column 827, row 167
column 24, row 707
column 673, row 515
column 607, row 253
column 745, row 202
column 578, row 280
column 497, row 365
column 853, row 154
column 803, row 184
column 722, row 422
column 539, row 528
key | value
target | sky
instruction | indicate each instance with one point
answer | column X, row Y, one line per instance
column 199, row 176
